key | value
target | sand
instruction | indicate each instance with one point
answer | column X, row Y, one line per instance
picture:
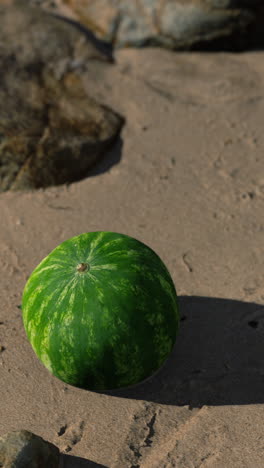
column 186, row 178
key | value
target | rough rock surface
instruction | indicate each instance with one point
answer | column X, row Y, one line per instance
column 23, row 449
column 51, row 131
column 176, row 24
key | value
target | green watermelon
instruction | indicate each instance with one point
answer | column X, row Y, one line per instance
column 101, row 311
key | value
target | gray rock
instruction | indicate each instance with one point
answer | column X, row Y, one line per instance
column 51, row 131
column 23, row 449
column 176, row 24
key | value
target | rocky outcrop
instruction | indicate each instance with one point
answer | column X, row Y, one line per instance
column 21, row 449
column 51, row 131
column 176, row 24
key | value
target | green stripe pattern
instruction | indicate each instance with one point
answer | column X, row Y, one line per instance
column 101, row 311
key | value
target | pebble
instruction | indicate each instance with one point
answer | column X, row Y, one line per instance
column 24, row 449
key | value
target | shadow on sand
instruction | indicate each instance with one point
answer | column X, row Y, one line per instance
column 69, row 461
column 218, row 358
column 109, row 158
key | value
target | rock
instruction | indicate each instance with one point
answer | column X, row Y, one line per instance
column 51, row 131
column 23, row 449
column 176, row 24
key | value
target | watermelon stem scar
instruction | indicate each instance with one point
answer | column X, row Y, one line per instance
column 83, row 267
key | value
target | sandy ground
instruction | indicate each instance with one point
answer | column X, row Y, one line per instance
column 186, row 178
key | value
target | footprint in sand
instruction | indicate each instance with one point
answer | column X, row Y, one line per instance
column 70, row 434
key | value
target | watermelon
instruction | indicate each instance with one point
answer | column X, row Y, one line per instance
column 101, row 311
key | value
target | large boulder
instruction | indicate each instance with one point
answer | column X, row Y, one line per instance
column 51, row 131
column 176, row 24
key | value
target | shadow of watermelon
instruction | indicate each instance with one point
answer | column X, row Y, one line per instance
column 218, row 358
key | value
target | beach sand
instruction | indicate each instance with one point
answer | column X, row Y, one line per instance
column 187, row 179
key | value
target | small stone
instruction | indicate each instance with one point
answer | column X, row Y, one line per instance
column 23, row 449
column 19, row 222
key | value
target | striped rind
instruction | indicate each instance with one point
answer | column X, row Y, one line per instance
column 108, row 327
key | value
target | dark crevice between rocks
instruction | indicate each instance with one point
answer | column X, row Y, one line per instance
column 244, row 32
column 105, row 47
column 250, row 40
